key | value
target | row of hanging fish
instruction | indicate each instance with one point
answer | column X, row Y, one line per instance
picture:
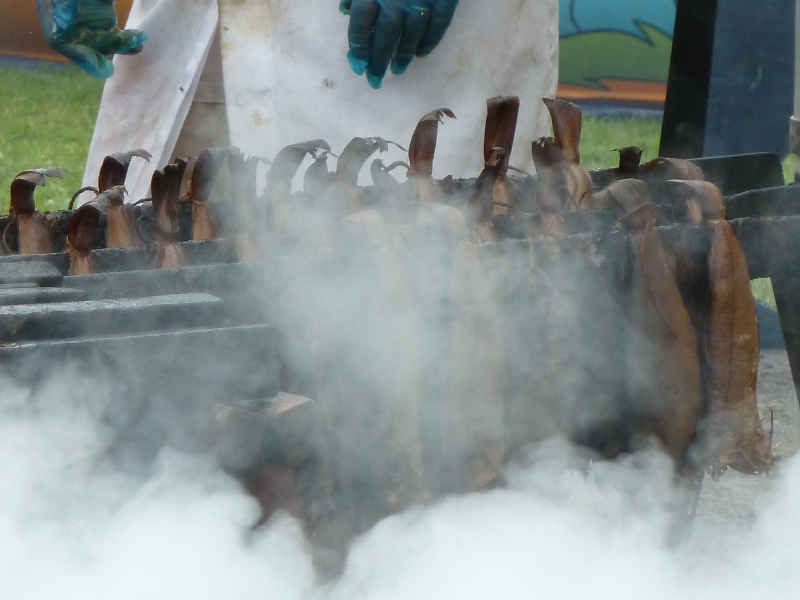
column 688, row 355
column 528, row 345
column 524, row 345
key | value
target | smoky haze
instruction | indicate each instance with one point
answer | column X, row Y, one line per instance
column 71, row 527
column 407, row 336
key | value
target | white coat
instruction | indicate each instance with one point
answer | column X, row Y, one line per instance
column 286, row 79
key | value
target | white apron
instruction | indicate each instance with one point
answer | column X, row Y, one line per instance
column 286, row 79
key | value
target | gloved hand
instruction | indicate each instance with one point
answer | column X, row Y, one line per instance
column 86, row 32
column 393, row 31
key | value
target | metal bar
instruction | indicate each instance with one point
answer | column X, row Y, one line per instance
column 97, row 317
column 771, row 202
column 37, row 272
column 36, row 295
column 132, row 259
column 162, row 385
column 222, row 280
column 686, row 105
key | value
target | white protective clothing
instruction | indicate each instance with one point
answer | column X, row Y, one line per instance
column 285, row 79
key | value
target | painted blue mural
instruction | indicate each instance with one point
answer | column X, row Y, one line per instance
column 616, row 48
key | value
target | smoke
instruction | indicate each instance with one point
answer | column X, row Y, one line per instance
column 387, row 321
column 72, row 526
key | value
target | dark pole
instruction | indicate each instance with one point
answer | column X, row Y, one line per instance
column 683, row 129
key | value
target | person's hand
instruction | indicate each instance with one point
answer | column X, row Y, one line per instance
column 86, row 32
column 393, row 31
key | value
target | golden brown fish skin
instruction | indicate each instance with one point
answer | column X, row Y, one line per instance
column 82, row 229
column 733, row 349
column 170, row 255
column 503, row 195
column 204, row 223
column 665, row 386
column 35, row 234
column 122, row 231
column 567, row 122
column 164, row 187
column 728, row 333
column 661, row 169
column 702, row 200
column 80, row 263
column 580, row 185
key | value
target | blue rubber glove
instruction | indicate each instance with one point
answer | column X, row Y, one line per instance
column 86, row 32
column 384, row 32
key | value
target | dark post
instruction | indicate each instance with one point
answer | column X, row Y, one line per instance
column 683, row 129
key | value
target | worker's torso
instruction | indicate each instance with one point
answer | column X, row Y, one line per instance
column 285, row 79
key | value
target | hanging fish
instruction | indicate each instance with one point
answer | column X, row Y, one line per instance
column 113, row 172
column 350, row 162
column 567, row 121
column 481, row 203
column 729, row 340
column 662, row 358
column 553, row 192
column 35, row 231
column 205, row 174
column 463, row 435
column 122, row 230
column 662, row 169
column 278, row 190
column 165, row 189
column 421, row 151
column 501, row 124
column 82, row 230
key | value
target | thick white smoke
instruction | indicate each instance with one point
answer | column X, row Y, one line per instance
column 72, row 527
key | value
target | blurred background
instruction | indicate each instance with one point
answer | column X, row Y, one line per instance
column 614, row 62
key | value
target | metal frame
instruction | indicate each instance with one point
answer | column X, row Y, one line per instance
column 686, row 104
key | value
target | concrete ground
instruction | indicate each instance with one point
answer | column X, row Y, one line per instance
column 731, row 504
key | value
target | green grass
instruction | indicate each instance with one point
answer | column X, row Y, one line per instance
column 46, row 119
column 789, row 165
column 601, row 135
